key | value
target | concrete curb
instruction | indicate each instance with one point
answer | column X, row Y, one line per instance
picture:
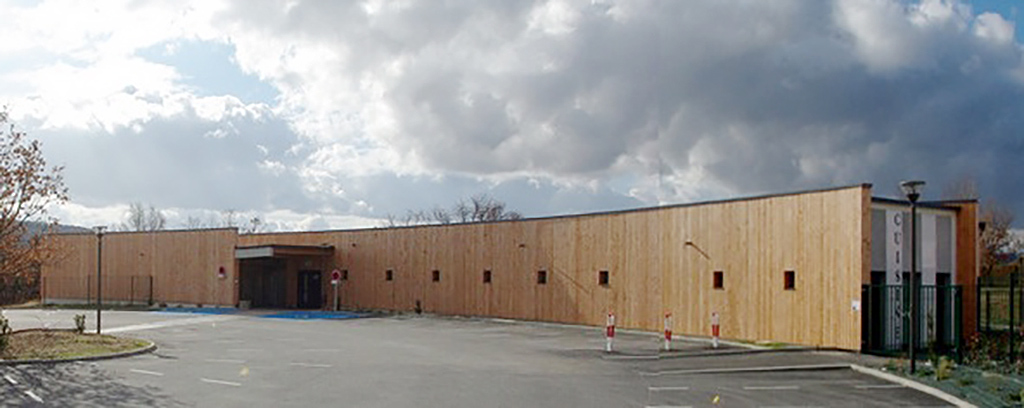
column 147, row 349
column 913, row 384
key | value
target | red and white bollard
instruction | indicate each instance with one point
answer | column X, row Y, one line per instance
column 668, row 331
column 714, row 329
column 609, row 332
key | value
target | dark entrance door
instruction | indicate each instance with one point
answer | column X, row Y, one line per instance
column 310, row 290
column 943, row 309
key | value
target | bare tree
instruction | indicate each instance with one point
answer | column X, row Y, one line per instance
column 254, row 226
column 441, row 216
column 193, row 222
column 418, row 217
column 140, row 218
column 229, row 218
column 485, row 208
column 479, row 208
column 27, row 189
column 997, row 240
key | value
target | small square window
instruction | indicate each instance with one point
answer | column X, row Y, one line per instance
column 487, row 276
column 436, row 275
column 389, row 275
column 719, row 280
column 602, row 278
column 542, row 277
column 344, row 274
column 790, row 280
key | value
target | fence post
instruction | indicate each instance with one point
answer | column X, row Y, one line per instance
column 150, row 291
column 131, row 293
column 1013, row 288
column 988, row 310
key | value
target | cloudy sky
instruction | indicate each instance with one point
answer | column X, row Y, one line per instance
column 321, row 114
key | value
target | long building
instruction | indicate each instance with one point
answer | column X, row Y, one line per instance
column 809, row 268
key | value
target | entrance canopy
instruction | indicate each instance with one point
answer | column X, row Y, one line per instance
column 280, row 251
column 283, row 276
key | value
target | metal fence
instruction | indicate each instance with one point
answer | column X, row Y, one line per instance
column 1000, row 303
column 18, row 289
column 886, row 322
column 132, row 290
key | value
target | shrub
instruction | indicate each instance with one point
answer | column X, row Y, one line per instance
column 943, row 369
column 80, row 323
column 5, row 330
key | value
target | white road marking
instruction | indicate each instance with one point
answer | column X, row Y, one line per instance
column 311, row 365
column 171, row 323
column 33, row 396
column 223, row 360
column 879, row 386
column 629, row 357
column 154, row 373
column 749, row 369
column 656, row 389
column 770, row 387
column 10, row 379
column 233, row 384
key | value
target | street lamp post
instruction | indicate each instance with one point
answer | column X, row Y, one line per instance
column 99, row 277
column 913, row 191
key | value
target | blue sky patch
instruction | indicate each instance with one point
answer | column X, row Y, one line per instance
column 210, row 69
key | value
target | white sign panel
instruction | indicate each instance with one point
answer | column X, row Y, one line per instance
column 894, row 259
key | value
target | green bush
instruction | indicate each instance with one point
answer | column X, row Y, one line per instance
column 943, row 369
column 5, row 331
column 80, row 323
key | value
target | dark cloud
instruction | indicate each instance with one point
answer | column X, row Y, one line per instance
column 757, row 96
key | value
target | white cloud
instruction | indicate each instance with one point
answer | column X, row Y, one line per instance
column 385, row 106
column 992, row 27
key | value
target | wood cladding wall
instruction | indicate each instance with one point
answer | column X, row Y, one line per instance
column 659, row 260
column 183, row 266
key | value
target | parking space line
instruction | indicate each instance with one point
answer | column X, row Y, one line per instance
column 879, row 386
column 631, row 357
column 221, row 382
column 312, row 365
column 656, row 389
column 10, row 379
column 33, row 396
column 747, row 369
column 147, row 372
column 770, row 387
column 223, row 360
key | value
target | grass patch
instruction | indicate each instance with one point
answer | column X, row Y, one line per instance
column 61, row 344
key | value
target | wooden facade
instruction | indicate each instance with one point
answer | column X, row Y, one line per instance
column 657, row 260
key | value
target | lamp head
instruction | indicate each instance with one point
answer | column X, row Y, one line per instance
column 100, row 230
column 912, row 189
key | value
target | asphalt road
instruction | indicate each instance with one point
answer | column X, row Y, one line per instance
column 244, row 361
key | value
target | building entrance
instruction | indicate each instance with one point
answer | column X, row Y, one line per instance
column 310, row 290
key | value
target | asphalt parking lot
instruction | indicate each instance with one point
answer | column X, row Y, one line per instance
column 402, row 361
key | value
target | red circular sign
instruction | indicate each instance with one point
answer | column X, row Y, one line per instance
column 336, row 275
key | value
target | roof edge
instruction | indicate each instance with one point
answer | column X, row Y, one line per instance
column 625, row 211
